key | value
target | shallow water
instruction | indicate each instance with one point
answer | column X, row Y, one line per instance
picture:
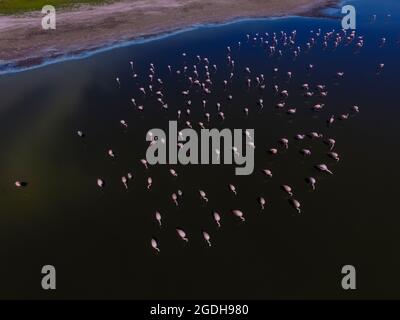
column 99, row 241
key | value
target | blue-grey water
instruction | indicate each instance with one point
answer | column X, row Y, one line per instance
column 99, row 241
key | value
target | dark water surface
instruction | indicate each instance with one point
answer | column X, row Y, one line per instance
column 99, row 241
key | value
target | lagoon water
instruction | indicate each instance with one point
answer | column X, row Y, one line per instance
column 99, row 241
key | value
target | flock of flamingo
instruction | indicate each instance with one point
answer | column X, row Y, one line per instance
column 199, row 81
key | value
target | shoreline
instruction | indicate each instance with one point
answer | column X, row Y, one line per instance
column 110, row 26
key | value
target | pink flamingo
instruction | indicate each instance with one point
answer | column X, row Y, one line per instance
column 207, row 237
column 287, row 189
column 203, row 195
column 217, row 218
column 267, row 172
column 296, row 204
column 323, row 167
column 144, row 162
column 124, row 182
column 262, row 202
column 174, row 198
column 232, row 188
column 154, row 244
column 312, row 181
column 182, row 234
column 20, row 184
column 149, row 183
column 239, row 214
column 100, row 183
column 158, row 217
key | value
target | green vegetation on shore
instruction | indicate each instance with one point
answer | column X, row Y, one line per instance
column 20, row 6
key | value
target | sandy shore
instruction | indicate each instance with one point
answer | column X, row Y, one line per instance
column 22, row 40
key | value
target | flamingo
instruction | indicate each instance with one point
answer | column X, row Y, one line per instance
column 182, row 234
column 284, row 93
column 317, row 107
column 330, row 120
column 305, row 86
column 267, row 172
column 124, row 182
column 323, row 167
column 100, row 183
column 239, row 214
column 207, row 237
column 262, row 202
column 154, row 244
column 20, row 184
column 331, row 143
column 248, row 135
column 203, row 195
column 308, row 94
column 235, row 151
column 312, row 181
column 296, row 204
column 217, row 218
column 287, row 189
column 80, row 134
column 174, row 198
column 251, row 144
column 305, row 152
column 158, row 217
column 323, row 93
column 284, row 142
column 333, row 155
column 111, row 153
column 149, row 183
column 315, row 135
column 339, row 74
column 173, row 172
column 144, row 162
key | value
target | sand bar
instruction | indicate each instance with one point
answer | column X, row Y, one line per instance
column 22, row 39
